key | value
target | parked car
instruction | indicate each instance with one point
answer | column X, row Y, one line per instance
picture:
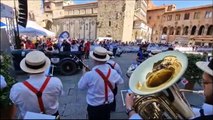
column 66, row 63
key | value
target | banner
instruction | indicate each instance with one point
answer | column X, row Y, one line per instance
column 64, row 35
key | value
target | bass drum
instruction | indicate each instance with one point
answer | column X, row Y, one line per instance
column 68, row 67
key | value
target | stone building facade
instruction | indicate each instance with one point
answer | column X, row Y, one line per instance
column 193, row 25
column 120, row 19
column 35, row 10
column 79, row 20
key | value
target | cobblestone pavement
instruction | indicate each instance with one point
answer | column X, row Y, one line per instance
column 73, row 103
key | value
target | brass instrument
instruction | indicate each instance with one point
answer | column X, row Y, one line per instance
column 164, row 101
column 168, row 104
column 79, row 60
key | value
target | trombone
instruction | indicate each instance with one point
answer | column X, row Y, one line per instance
column 79, row 60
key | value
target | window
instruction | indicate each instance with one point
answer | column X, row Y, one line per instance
column 109, row 23
column 208, row 14
column 186, row 16
column 150, row 17
column 177, row 17
column 158, row 17
column 169, row 17
column 170, row 8
column 196, row 15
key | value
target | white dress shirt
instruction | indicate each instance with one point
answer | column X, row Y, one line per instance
column 117, row 66
column 3, row 83
column 25, row 100
column 95, row 85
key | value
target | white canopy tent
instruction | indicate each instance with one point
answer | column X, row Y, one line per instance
column 33, row 29
column 6, row 11
column 7, row 27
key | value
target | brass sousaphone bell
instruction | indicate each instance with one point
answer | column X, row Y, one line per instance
column 162, row 100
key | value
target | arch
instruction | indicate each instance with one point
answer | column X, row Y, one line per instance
column 49, row 24
column 210, row 30
column 164, row 30
column 136, row 34
column 201, row 30
column 185, row 30
column 171, row 31
column 193, row 30
column 178, row 29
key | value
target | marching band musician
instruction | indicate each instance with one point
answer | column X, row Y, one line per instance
column 116, row 67
column 100, row 82
column 206, row 112
column 39, row 93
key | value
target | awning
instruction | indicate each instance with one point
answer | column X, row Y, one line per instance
column 2, row 24
column 6, row 11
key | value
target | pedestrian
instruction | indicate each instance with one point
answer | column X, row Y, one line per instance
column 87, row 49
column 65, row 46
column 100, row 82
column 142, row 53
column 39, row 93
column 116, row 67
column 115, row 47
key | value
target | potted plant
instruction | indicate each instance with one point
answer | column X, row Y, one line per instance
column 193, row 74
column 5, row 102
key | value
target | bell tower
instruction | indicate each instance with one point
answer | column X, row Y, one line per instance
column 115, row 19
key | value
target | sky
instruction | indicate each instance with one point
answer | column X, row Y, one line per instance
column 179, row 3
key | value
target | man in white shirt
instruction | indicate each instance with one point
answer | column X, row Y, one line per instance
column 100, row 82
column 206, row 112
column 116, row 67
column 39, row 93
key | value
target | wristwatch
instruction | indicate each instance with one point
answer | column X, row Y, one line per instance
column 128, row 110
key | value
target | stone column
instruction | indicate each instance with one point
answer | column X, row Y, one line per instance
column 206, row 29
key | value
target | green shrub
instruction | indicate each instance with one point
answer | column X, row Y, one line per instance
column 5, row 66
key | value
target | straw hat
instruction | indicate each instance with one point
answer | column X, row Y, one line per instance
column 109, row 53
column 206, row 66
column 35, row 62
column 100, row 54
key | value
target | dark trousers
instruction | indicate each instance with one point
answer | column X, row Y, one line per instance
column 101, row 112
column 113, row 105
column 114, row 51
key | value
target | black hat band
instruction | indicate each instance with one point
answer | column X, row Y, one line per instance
column 99, row 56
column 35, row 66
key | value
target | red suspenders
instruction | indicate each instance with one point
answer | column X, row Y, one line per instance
column 38, row 93
column 112, row 65
column 106, row 83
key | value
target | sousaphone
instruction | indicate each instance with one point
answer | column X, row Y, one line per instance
column 154, row 83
